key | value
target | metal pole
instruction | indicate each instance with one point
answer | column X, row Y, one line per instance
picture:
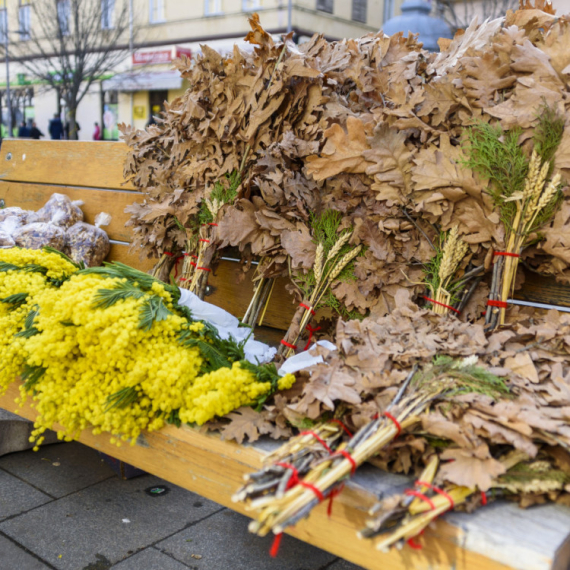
column 8, row 98
column 131, row 52
column 290, row 16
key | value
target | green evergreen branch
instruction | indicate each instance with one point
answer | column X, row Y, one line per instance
column 31, row 375
column 16, row 300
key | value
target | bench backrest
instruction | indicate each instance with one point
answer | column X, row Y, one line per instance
column 31, row 171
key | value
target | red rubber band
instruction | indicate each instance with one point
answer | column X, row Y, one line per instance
column 349, row 458
column 483, row 499
column 274, row 550
column 182, row 279
column 169, row 253
column 310, row 309
column 204, row 240
column 334, row 493
column 314, row 489
column 176, row 266
column 209, row 224
column 319, row 439
column 506, row 254
column 294, row 478
column 421, row 496
column 500, row 304
column 436, row 490
column 441, row 304
column 288, row 344
column 204, row 268
column 394, row 421
column 347, row 431
column 312, row 331
column 413, row 544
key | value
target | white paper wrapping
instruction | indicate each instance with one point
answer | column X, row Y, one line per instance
column 304, row 359
column 227, row 326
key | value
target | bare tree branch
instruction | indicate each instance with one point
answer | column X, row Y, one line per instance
column 68, row 49
column 460, row 13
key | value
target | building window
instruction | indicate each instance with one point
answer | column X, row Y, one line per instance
column 248, row 5
column 213, row 7
column 359, row 10
column 24, row 18
column 63, row 16
column 156, row 11
column 325, row 6
column 107, row 11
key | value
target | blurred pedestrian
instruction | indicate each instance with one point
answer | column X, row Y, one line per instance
column 35, row 133
column 23, row 131
column 97, row 132
column 55, row 127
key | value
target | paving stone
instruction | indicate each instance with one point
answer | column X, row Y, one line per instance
column 15, row 433
column 150, row 559
column 223, row 541
column 344, row 565
column 17, row 497
column 12, row 557
column 106, row 522
column 58, row 469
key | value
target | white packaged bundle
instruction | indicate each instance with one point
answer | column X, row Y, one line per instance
column 60, row 210
column 89, row 243
column 40, row 234
column 8, row 227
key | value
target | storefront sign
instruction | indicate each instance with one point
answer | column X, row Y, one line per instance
column 151, row 57
column 180, row 51
column 160, row 56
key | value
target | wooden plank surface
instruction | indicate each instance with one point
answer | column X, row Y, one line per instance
column 66, row 163
column 214, row 469
column 543, row 289
column 34, row 196
column 232, row 290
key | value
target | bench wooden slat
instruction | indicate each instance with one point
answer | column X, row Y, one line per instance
column 65, row 163
column 543, row 289
column 114, row 202
column 232, row 291
column 214, row 469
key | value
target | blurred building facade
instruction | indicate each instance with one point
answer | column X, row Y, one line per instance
column 166, row 29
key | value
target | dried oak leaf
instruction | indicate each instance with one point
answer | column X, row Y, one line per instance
column 390, row 163
column 471, row 467
column 329, row 383
column 483, row 76
column 300, row 246
column 343, row 151
column 246, row 421
column 239, row 227
column 523, row 365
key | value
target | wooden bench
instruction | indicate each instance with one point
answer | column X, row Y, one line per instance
column 496, row 537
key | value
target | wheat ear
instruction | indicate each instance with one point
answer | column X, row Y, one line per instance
column 446, row 267
column 319, row 262
column 338, row 246
column 343, row 262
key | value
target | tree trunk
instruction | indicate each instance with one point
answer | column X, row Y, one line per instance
column 73, row 134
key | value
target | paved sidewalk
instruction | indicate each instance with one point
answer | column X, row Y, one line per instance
column 63, row 508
